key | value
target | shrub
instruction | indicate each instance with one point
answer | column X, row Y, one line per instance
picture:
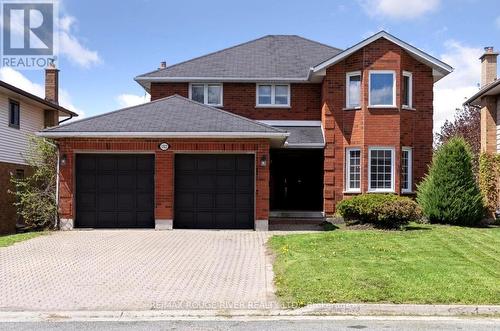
column 36, row 194
column 449, row 193
column 489, row 173
column 380, row 210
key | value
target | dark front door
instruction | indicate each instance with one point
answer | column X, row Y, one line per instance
column 114, row 191
column 297, row 180
column 214, row 191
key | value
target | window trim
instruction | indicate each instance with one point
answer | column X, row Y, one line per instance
column 347, row 81
column 393, row 153
column 393, row 72
column 410, row 90
column 348, row 189
column 15, row 126
column 205, row 93
column 410, row 169
column 273, row 103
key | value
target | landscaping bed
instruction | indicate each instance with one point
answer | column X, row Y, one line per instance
column 427, row 264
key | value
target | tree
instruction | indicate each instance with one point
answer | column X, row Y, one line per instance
column 449, row 193
column 465, row 124
column 36, row 194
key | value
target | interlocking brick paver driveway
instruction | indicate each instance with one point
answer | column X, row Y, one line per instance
column 137, row 269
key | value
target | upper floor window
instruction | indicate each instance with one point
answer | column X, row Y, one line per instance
column 406, row 169
column 382, row 88
column 209, row 94
column 353, row 170
column 381, row 169
column 14, row 114
column 406, row 97
column 353, row 89
column 273, row 95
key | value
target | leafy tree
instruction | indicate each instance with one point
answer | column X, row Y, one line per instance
column 36, row 194
column 465, row 124
column 449, row 193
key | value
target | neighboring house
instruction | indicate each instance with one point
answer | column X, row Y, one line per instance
column 280, row 126
column 22, row 115
column 488, row 99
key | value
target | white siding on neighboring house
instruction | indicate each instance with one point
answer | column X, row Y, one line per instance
column 14, row 142
column 498, row 124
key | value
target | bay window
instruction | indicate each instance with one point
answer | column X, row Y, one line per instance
column 353, row 170
column 381, row 169
column 353, row 89
column 382, row 88
column 406, row 170
column 406, row 96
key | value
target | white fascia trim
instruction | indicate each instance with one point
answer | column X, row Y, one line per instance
column 163, row 134
column 290, row 123
column 305, row 145
column 222, row 79
column 439, row 65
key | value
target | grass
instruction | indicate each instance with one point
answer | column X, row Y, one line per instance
column 14, row 238
column 424, row 264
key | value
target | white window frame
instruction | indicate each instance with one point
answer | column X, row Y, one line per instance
column 347, row 81
column 205, row 93
column 410, row 90
column 409, row 150
column 273, row 95
column 393, row 105
column 348, row 170
column 393, row 153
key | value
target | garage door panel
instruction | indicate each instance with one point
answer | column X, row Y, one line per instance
column 86, row 201
column 106, row 219
column 121, row 194
column 107, row 182
column 125, row 201
column 223, row 188
column 144, row 201
column 126, row 181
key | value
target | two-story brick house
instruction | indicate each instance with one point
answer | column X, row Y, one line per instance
column 278, row 126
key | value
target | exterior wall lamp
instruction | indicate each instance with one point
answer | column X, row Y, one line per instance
column 63, row 160
column 263, row 161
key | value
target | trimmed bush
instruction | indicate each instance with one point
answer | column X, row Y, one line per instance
column 449, row 193
column 380, row 210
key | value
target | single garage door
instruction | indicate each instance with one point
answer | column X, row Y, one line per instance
column 214, row 191
column 114, row 191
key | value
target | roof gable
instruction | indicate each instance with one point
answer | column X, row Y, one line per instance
column 440, row 69
column 273, row 57
column 168, row 117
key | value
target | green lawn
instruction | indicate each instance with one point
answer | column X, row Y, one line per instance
column 429, row 264
column 14, row 238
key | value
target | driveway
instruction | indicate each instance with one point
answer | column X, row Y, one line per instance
column 138, row 269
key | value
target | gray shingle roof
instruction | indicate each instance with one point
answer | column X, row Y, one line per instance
column 171, row 114
column 303, row 135
column 273, row 56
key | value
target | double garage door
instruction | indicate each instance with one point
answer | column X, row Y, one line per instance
column 211, row 191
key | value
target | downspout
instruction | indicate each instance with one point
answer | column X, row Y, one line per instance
column 66, row 119
column 56, row 216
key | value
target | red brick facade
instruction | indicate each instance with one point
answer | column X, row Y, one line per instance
column 164, row 167
column 371, row 127
column 240, row 98
column 8, row 215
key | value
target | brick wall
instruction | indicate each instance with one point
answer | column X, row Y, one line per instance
column 240, row 98
column 164, row 167
column 489, row 124
column 370, row 127
column 8, row 214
